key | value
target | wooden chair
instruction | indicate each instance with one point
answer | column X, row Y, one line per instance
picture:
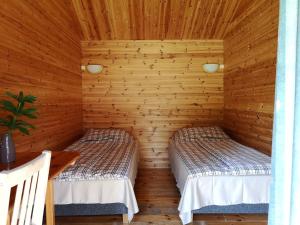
column 30, row 180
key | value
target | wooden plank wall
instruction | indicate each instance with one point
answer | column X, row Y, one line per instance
column 155, row 19
column 152, row 88
column 40, row 54
column 250, row 67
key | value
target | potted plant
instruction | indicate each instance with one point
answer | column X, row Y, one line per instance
column 13, row 122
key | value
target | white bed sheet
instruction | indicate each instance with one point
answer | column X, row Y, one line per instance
column 101, row 191
column 201, row 191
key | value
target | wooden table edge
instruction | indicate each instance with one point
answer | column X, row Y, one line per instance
column 69, row 162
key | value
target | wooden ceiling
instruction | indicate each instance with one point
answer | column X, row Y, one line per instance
column 156, row 19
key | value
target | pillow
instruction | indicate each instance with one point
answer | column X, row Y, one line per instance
column 105, row 134
column 200, row 133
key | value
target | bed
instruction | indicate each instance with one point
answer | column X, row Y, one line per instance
column 102, row 179
column 215, row 173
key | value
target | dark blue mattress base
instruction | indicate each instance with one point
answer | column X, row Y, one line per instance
column 119, row 208
column 90, row 209
column 234, row 209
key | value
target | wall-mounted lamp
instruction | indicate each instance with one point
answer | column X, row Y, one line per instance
column 211, row 67
column 92, row 68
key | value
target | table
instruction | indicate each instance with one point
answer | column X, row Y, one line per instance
column 60, row 160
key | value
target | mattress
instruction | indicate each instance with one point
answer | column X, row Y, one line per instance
column 217, row 184
column 102, row 175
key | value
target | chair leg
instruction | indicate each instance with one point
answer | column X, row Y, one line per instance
column 125, row 219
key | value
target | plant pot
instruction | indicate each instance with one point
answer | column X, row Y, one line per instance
column 8, row 151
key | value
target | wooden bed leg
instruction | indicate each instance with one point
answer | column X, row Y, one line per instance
column 125, row 219
column 8, row 220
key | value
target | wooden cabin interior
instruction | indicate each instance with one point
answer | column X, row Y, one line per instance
column 151, row 85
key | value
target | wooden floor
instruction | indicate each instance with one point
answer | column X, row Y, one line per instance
column 158, row 199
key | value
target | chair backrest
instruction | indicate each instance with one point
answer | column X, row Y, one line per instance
column 30, row 180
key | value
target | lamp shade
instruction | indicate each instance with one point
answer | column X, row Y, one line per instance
column 210, row 67
column 94, row 68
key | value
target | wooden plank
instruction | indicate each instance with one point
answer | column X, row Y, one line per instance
column 250, row 50
column 149, row 95
column 41, row 56
column 156, row 19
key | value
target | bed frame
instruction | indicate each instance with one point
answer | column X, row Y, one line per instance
column 93, row 210
column 119, row 208
column 234, row 209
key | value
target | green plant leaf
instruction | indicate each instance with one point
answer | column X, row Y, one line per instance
column 11, row 121
column 4, row 122
column 24, row 124
column 29, row 98
column 29, row 115
column 28, row 111
column 23, row 130
column 8, row 106
column 11, row 95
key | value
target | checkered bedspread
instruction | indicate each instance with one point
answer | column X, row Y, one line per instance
column 104, row 153
column 209, row 151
